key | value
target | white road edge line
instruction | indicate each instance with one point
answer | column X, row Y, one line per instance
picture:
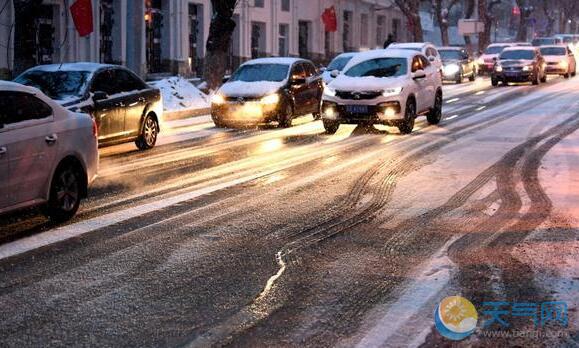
column 82, row 227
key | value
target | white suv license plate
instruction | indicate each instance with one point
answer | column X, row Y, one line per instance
column 357, row 109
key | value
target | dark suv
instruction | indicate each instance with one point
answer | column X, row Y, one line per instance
column 519, row 64
column 268, row 89
column 124, row 107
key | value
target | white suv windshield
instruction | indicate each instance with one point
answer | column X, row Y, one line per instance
column 379, row 67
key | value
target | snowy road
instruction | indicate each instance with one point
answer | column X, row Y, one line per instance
column 290, row 237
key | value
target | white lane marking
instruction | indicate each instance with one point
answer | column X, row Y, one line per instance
column 433, row 278
column 480, row 92
column 452, row 100
column 77, row 229
column 481, row 108
column 452, row 117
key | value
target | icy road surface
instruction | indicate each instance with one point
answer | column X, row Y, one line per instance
column 269, row 237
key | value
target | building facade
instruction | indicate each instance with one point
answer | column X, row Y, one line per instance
column 155, row 37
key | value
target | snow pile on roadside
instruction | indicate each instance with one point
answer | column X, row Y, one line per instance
column 179, row 94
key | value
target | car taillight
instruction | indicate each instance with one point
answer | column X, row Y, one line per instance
column 95, row 130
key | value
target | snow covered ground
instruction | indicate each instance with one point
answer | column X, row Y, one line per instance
column 180, row 95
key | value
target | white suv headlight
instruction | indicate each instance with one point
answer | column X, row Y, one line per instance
column 390, row 92
column 527, row 68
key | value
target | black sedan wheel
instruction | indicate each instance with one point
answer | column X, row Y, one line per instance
column 149, row 133
column 65, row 193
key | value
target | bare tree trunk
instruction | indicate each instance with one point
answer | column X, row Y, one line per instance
column 485, row 10
column 218, row 42
column 468, row 13
column 410, row 9
column 523, row 20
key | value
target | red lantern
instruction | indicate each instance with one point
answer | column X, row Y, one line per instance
column 81, row 12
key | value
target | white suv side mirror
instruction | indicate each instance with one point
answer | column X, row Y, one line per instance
column 334, row 73
column 419, row 74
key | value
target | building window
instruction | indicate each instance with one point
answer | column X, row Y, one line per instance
column 195, row 38
column 395, row 28
column 258, row 3
column 347, row 32
column 304, row 39
column 35, row 28
column 283, row 40
column 285, row 5
column 380, row 30
column 364, row 30
column 257, row 39
column 106, row 29
column 154, row 26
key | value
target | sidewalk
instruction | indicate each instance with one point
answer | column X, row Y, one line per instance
column 184, row 114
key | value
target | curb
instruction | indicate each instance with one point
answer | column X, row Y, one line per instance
column 183, row 114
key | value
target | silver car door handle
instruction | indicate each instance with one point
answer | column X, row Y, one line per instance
column 51, row 139
column 133, row 104
column 3, row 151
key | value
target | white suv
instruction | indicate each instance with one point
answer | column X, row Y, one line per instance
column 390, row 87
column 48, row 155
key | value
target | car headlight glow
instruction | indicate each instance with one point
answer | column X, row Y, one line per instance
column 451, row 69
column 330, row 92
column 480, row 61
column 270, row 99
column 390, row 92
column 527, row 68
column 217, row 99
column 330, row 112
column 563, row 64
column 498, row 68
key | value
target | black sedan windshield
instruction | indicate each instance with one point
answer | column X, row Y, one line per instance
column 518, row 54
column 450, row 54
column 380, row 67
column 541, row 42
column 261, row 72
column 553, row 51
column 495, row 49
column 57, row 85
column 339, row 63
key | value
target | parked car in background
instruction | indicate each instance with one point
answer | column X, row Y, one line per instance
column 486, row 60
column 48, row 155
column 426, row 48
column 545, row 41
column 559, row 60
column 336, row 65
column 390, row 87
column 519, row 64
column 268, row 89
column 125, row 107
column 457, row 64
column 521, row 44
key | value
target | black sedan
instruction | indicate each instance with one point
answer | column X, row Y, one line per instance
column 268, row 89
column 519, row 64
column 125, row 107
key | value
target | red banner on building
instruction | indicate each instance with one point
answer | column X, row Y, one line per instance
column 81, row 12
column 330, row 20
